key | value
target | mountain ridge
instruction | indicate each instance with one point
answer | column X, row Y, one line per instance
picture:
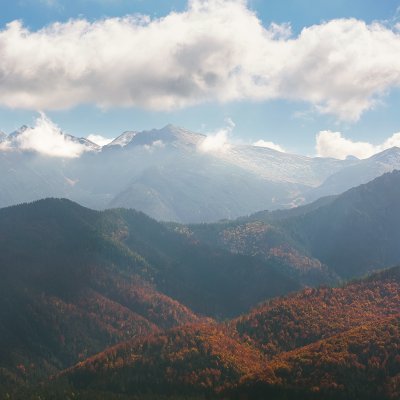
column 348, row 235
column 170, row 174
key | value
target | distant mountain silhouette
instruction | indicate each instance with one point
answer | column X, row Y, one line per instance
column 172, row 174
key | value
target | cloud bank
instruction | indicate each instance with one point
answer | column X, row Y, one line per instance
column 215, row 50
column 333, row 144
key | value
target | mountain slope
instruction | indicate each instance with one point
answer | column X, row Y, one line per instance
column 314, row 314
column 210, row 281
column 191, row 359
column 337, row 237
column 68, row 289
column 261, row 235
column 359, row 173
column 199, row 188
column 356, row 233
column 362, row 363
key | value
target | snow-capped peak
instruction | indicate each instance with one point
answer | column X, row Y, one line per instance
column 83, row 141
column 167, row 134
column 18, row 132
column 388, row 155
column 123, row 139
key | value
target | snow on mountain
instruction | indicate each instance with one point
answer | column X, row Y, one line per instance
column 359, row 172
column 122, row 140
column 91, row 146
column 16, row 139
column 170, row 134
column 267, row 163
column 170, row 174
column 17, row 132
column 283, row 167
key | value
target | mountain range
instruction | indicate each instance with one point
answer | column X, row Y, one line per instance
column 173, row 174
column 115, row 305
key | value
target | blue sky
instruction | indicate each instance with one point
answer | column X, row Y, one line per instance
column 291, row 123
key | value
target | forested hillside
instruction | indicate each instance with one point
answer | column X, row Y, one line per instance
column 297, row 320
column 362, row 363
column 148, row 309
column 75, row 281
column 336, row 238
column 316, row 344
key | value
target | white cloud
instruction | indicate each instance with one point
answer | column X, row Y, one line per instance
column 221, row 141
column 216, row 50
column 218, row 142
column 47, row 139
column 269, row 145
column 5, row 146
column 333, row 144
column 393, row 141
column 157, row 144
column 99, row 139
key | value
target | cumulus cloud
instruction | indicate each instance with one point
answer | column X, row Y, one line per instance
column 215, row 50
column 45, row 138
column 218, row 142
column 333, row 144
column 99, row 139
column 269, row 145
column 215, row 143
